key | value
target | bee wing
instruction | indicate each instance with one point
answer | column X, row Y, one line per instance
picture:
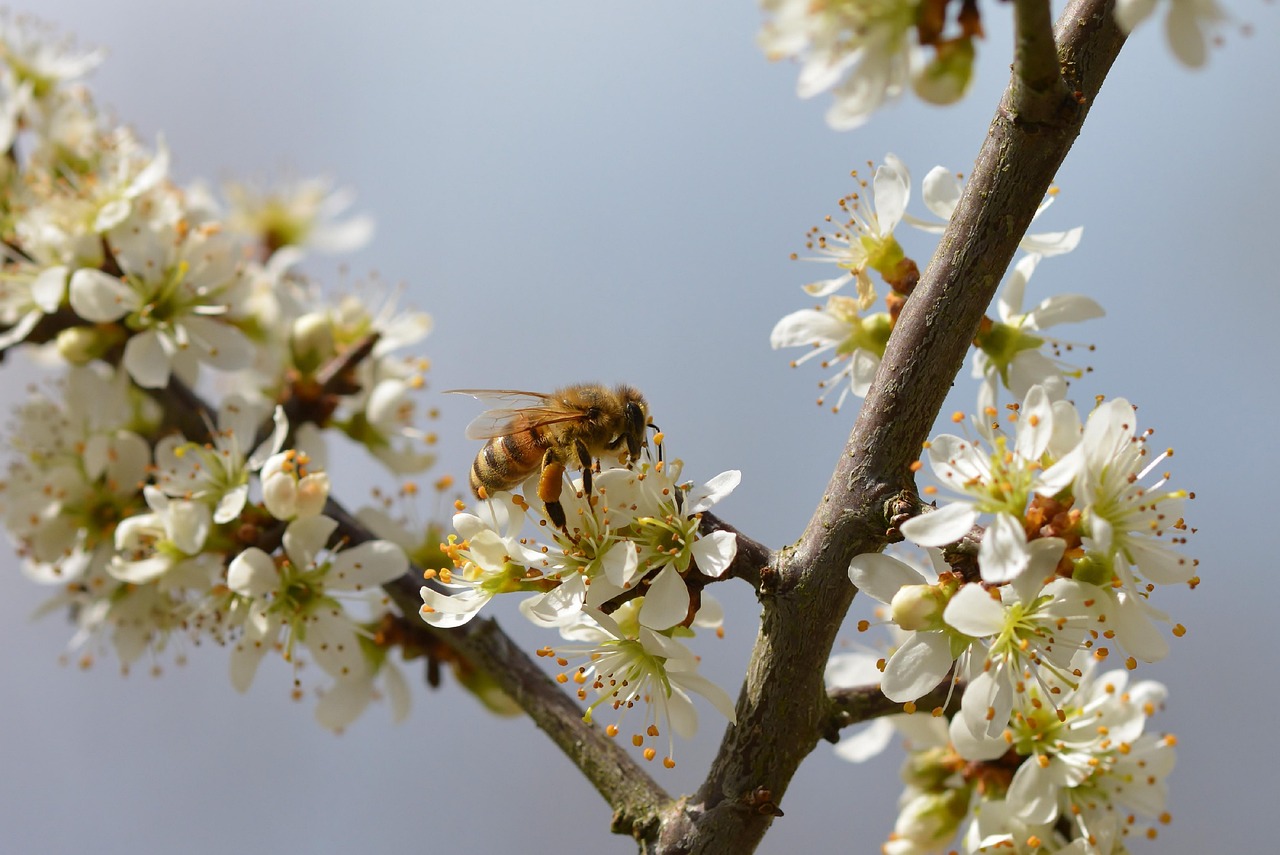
column 539, row 409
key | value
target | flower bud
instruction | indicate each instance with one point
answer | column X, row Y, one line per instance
column 929, row 769
column 946, row 77
column 930, row 819
column 917, row 607
column 312, row 341
column 81, row 345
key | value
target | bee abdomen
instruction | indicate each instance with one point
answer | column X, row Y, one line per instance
column 505, row 461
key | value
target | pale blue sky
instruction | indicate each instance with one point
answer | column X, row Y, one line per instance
column 586, row 190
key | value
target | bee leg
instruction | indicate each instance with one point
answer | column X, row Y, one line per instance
column 584, row 460
column 549, row 484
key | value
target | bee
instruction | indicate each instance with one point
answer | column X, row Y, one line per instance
column 571, row 428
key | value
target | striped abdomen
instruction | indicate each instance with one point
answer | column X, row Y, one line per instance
column 505, row 461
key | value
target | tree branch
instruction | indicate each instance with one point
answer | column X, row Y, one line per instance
column 783, row 708
column 1037, row 92
column 863, row 703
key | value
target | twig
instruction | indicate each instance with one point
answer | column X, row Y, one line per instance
column 863, row 703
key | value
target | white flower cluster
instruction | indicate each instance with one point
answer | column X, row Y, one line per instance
column 868, row 51
column 615, row 582
column 1076, row 770
column 1075, row 536
column 1011, row 351
column 159, row 523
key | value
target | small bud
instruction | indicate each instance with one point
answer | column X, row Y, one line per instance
column 312, row 341
column 81, row 345
column 946, row 77
column 917, row 607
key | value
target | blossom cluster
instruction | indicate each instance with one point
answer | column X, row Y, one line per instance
column 1044, row 564
column 1076, row 771
column 621, row 582
column 162, row 522
column 1011, row 351
column 867, row 52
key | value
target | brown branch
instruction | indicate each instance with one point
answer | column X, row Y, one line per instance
column 783, row 708
column 634, row 796
column 863, row 703
column 1037, row 92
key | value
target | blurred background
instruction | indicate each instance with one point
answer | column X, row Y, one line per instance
column 579, row 191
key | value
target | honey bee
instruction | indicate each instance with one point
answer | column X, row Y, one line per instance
column 572, row 427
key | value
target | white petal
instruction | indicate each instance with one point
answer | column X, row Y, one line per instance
column 709, row 690
column 397, row 692
column 332, row 640
column 1130, row 13
column 1184, row 34
column 1053, row 243
column 807, row 327
column 825, row 287
column 222, row 345
column 147, row 360
column 259, row 635
column 667, row 601
column 1032, row 794
column 941, row 191
column 187, row 525
column 862, row 372
column 892, row 188
column 1035, row 425
column 100, row 298
column 368, row 565
column 973, row 746
column 851, row 670
column 1003, row 554
column 916, row 667
column 1136, row 631
column 252, row 573
column 1009, row 304
column 974, row 612
column 986, row 704
column 946, row 525
column 620, row 563
column 1159, row 563
column 865, row 742
column 343, row 702
column 702, row 498
column 557, row 606
column 881, row 576
column 714, row 553
column 447, row 611
column 1064, row 309
column 304, row 539
column 48, row 287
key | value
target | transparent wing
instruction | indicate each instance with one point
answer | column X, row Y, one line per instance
column 536, row 410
